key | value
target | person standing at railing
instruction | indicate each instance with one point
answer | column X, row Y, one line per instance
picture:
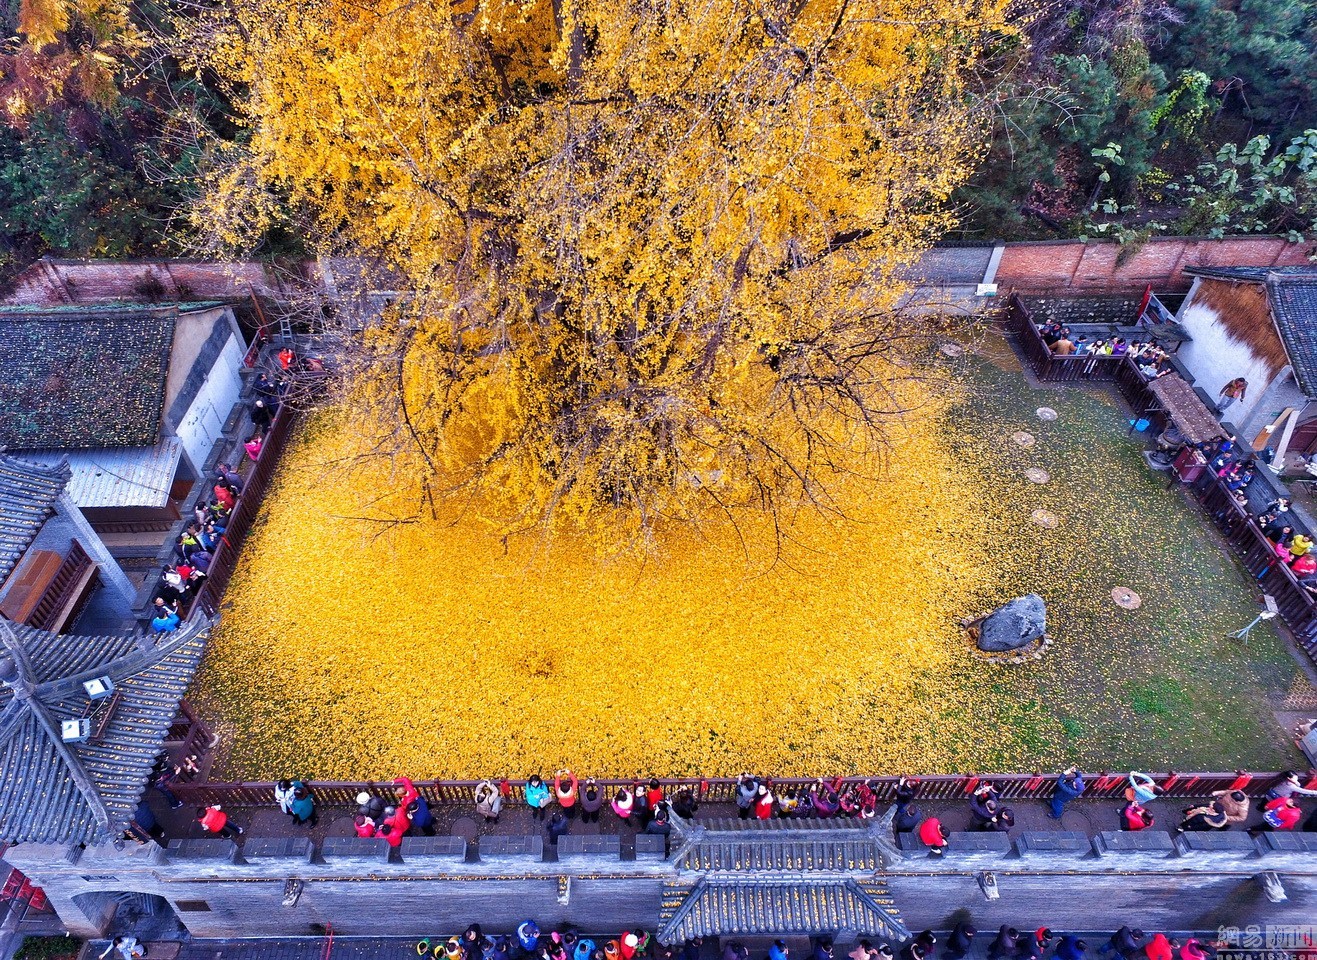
column 1064, row 347
column 747, row 788
column 566, row 794
column 303, row 805
column 489, row 802
column 983, row 805
column 592, row 801
column 1069, row 786
column 537, row 796
column 960, row 942
column 1234, row 803
column 1125, row 942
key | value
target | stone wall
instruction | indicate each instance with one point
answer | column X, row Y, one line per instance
column 436, row 886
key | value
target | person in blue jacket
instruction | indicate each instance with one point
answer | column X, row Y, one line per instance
column 1068, row 786
column 537, row 796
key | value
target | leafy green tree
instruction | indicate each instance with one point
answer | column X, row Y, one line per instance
column 57, row 194
column 1253, row 190
column 1261, row 54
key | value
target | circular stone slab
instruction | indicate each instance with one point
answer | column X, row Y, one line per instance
column 1126, row 598
column 1046, row 413
column 1046, row 519
column 1023, row 438
column 952, row 349
column 1037, row 475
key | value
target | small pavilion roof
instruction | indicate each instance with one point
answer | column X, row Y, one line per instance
column 57, row 792
column 730, row 906
column 28, row 493
column 780, row 877
column 1186, row 409
column 827, row 845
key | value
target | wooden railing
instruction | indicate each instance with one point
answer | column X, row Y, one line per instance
column 1297, row 607
column 244, row 514
column 1012, row 786
column 188, row 735
column 1048, row 367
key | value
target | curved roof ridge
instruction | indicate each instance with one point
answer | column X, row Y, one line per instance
column 82, row 792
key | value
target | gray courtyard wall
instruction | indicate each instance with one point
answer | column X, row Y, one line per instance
column 1159, row 880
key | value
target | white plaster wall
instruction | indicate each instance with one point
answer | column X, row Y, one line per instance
column 1215, row 358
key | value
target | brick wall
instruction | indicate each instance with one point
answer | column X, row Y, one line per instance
column 1093, row 266
column 56, row 282
column 1026, row 267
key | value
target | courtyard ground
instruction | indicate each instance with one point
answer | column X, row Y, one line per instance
column 359, row 641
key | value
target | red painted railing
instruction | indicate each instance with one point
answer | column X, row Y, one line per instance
column 1012, row 786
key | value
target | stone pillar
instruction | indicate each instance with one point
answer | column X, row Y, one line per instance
column 109, row 568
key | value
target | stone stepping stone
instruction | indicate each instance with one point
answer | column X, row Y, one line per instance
column 1037, row 475
column 952, row 350
column 1023, row 438
column 1126, row 598
column 1046, row 519
column 1046, row 414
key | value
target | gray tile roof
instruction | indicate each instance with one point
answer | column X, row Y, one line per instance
column 836, row 846
column 73, row 379
column 726, row 906
column 1293, row 299
column 27, row 498
column 52, row 792
column 963, row 266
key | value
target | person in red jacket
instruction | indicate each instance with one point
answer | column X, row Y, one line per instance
column 1134, row 816
column 566, row 795
column 224, row 495
column 364, row 825
column 409, row 793
column 629, row 944
column 934, row 836
column 1279, row 814
column 216, row 821
column 654, row 793
column 1160, row 948
column 764, row 802
column 395, row 826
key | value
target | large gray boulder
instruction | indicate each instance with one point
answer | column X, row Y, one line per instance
column 1014, row 625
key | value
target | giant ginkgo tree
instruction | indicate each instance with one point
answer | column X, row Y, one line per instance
column 649, row 250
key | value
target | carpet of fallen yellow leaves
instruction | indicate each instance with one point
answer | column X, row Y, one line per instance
column 352, row 648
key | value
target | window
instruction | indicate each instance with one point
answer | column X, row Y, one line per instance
column 193, row 906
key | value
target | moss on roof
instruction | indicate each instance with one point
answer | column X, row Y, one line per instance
column 74, row 380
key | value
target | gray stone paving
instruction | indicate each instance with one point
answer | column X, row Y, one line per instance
column 1088, row 817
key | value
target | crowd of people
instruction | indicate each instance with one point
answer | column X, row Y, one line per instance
column 1293, row 548
column 195, row 547
column 529, row 942
column 1148, row 355
column 647, row 807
